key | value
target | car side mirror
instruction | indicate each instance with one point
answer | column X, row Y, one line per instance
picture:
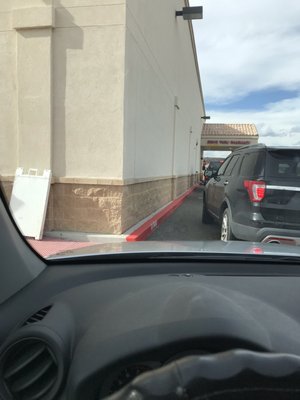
column 208, row 173
column 211, row 174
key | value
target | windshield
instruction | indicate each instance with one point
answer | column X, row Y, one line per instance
column 173, row 121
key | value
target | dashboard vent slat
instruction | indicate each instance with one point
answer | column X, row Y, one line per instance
column 39, row 391
column 30, row 370
column 25, row 358
column 38, row 316
column 31, row 376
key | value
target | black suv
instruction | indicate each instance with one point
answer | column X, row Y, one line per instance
column 255, row 195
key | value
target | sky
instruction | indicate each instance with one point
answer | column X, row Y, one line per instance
column 249, row 58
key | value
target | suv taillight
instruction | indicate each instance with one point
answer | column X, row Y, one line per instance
column 256, row 190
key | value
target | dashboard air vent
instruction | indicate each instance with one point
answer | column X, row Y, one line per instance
column 29, row 370
column 38, row 316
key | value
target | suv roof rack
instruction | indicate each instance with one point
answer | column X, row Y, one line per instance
column 252, row 146
column 296, row 147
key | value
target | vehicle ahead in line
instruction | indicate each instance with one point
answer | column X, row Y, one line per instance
column 211, row 169
column 255, row 195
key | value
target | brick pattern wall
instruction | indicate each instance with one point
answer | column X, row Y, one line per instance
column 181, row 184
column 85, row 208
column 106, row 209
column 142, row 199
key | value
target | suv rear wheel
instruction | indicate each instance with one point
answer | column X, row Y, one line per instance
column 226, row 232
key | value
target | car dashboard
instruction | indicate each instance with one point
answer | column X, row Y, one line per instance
column 85, row 331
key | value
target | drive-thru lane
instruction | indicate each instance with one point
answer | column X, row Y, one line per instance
column 185, row 223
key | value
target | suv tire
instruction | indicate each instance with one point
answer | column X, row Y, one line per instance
column 226, row 231
column 206, row 217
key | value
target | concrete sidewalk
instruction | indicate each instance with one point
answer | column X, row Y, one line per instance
column 51, row 246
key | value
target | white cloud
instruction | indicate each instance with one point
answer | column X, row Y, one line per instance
column 277, row 125
column 245, row 46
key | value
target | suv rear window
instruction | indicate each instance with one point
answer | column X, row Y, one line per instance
column 284, row 164
column 252, row 165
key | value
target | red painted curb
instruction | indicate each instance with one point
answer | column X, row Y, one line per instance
column 149, row 226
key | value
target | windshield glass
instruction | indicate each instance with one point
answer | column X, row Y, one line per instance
column 148, row 121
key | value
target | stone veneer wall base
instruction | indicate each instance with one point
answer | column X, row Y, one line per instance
column 107, row 209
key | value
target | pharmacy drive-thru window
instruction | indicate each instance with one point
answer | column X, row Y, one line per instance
column 227, row 137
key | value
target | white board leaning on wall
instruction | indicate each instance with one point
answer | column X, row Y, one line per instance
column 29, row 201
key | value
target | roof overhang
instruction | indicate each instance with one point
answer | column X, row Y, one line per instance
column 228, row 136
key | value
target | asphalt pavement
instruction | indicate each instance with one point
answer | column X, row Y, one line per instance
column 185, row 223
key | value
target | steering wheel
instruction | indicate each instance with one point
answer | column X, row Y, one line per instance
column 231, row 375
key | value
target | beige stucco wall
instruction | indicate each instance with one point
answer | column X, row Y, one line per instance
column 105, row 93
column 8, row 99
column 61, row 86
column 34, row 88
column 160, row 139
column 64, row 67
column 89, row 52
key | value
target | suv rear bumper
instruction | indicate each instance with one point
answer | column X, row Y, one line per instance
column 246, row 232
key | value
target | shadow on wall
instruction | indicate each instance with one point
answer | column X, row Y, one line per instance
column 6, row 188
column 68, row 37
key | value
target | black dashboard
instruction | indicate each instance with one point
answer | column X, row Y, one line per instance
column 84, row 331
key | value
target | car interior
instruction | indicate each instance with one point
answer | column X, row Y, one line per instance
column 156, row 326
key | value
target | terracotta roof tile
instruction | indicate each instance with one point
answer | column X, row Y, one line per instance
column 229, row 130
